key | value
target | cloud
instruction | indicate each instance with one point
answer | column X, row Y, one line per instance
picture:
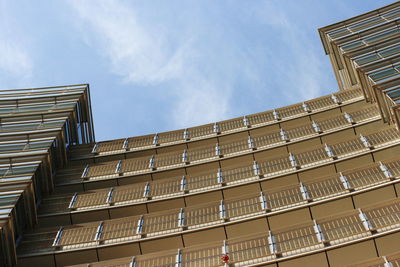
column 135, row 53
column 15, row 59
column 145, row 54
column 205, row 59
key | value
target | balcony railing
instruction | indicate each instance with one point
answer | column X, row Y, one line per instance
column 238, row 124
column 222, row 177
column 261, row 203
column 208, row 153
column 261, row 247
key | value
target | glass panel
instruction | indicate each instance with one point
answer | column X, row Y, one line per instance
column 393, row 14
column 366, row 23
column 390, row 51
column 352, row 45
column 8, row 200
column 394, row 94
column 383, row 35
column 367, row 59
column 382, row 74
column 338, row 33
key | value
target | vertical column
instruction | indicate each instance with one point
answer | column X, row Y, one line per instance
column 99, row 231
column 365, row 142
column 276, row 115
column 183, row 185
column 220, row 177
column 181, row 219
column 335, row 99
column 139, row 229
column 185, row 158
column 118, row 167
column 316, row 127
column 271, row 243
column 125, row 145
column 293, row 161
column 155, row 140
column 178, row 258
column 385, row 170
column 256, row 169
column 263, row 201
column 284, row 136
column 367, row 225
column 348, row 118
column 345, row 182
column 110, row 196
column 216, row 128
column 318, row 232
column 186, row 135
column 146, row 191
column 225, row 254
column 246, row 122
column 250, row 143
column 152, row 163
column 133, row 262
column 329, row 151
column 222, row 211
column 85, row 172
column 57, row 239
column 73, row 201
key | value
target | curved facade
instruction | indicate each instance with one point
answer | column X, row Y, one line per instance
column 311, row 184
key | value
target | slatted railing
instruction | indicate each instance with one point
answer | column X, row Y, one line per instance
column 295, row 241
column 333, row 123
column 231, row 125
column 189, row 184
column 343, row 228
column 140, row 142
column 365, row 177
column 213, row 152
column 325, row 232
column 283, row 198
column 205, row 215
column 268, row 139
column 364, row 114
column 291, row 111
column 300, row 132
column 136, row 143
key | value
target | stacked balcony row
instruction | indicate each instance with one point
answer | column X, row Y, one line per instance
column 36, row 127
column 247, row 207
column 377, row 18
column 326, row 152
column 329, row 232
column 187, row 184
column 365, row 52
column 234, row 125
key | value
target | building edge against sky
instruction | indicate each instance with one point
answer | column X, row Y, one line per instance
column 311, row 183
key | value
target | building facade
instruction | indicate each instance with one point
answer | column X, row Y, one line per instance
column 311, row 184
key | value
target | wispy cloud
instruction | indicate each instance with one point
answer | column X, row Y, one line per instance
column 136, row 53
column 147, row 54
column 15, row 61
column 201, row 60
column 300, row 68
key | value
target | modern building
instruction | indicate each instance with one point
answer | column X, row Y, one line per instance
column 311, row 184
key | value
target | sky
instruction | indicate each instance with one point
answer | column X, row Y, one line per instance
column 161, row 65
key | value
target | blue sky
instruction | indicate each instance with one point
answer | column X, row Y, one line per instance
column 161, row 65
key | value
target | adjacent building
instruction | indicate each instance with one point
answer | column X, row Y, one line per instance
column 311, row 184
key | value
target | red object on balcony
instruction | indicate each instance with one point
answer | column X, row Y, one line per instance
column 225, row 258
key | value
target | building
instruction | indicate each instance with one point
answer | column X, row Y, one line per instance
column 311, row 184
